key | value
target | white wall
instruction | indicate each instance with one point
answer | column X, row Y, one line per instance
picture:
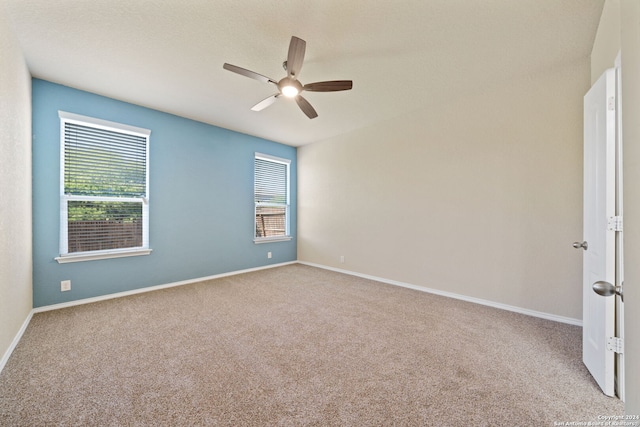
column 630, row 43
column 481, row 197
column 607, row 42
column 15, row 187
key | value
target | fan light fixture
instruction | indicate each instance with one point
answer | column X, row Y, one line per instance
column 289, row 91
column 289, row 87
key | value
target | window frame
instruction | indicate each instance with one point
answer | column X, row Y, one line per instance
column 95, row 123
column 287, row 205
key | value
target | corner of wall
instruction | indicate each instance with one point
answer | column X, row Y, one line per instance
column 607, row 42
column 16, row 291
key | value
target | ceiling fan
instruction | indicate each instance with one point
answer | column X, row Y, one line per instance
column 290, row 86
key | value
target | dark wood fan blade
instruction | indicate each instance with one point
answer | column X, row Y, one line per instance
column 265, row 102
column 330, row 86
column 295, row 58
column 306, row 107
column 248, row 73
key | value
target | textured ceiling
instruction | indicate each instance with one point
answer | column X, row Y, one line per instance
column 402, row 55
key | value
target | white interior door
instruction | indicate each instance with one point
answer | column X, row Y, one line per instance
column 599, row 206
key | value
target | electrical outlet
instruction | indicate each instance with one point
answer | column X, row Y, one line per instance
column 341, row 259
column 65, row 285
column 269, row 255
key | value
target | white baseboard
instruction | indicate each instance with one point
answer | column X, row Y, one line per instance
column 540, row 314
column 153, row 288
column 15, row 341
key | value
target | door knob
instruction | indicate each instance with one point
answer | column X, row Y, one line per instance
column 583, row 245
column 606, row 289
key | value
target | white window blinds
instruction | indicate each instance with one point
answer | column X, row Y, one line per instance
column 271, row 197
column 100, row 162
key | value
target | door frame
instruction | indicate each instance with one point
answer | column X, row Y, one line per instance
column 619, row 304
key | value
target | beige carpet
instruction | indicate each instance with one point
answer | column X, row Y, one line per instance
column 296, row 346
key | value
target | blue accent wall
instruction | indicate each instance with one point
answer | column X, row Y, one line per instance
column 200, row 200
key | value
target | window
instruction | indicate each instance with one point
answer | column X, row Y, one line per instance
column 271, row 196
column 104, row 189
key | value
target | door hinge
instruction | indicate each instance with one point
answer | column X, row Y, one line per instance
column 614, row 223
column 615, row 344
column 611, row 103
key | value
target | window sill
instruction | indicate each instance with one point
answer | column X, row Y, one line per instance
column 93, row 256
column 271, row 239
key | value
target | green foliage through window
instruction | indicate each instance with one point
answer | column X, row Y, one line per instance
column 80, row 210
